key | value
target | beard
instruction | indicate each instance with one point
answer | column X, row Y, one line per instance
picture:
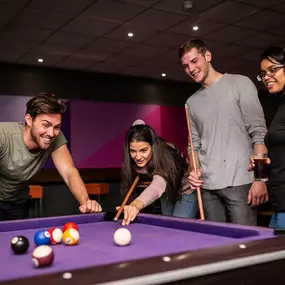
column 36, row 138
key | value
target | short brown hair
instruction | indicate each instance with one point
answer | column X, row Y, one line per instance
column 193, row 43
column 45, row 103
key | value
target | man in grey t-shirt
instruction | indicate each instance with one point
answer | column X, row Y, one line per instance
column 227, row 124
column 25, row 147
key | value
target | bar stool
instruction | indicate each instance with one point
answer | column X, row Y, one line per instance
column 97, row 189
column 36, row 195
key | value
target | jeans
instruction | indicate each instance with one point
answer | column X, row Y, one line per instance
column 13, row 211
column 229, row 205
column 277, row 221
column 187, row 207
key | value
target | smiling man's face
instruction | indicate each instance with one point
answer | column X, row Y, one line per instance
column 44, row 129
column 196, row 64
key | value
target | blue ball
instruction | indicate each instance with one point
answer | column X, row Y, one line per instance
column 42, row 237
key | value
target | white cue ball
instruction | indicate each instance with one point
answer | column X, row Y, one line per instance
column 122, row 237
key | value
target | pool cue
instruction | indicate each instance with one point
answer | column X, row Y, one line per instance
column 127, row 198
column 200, row 202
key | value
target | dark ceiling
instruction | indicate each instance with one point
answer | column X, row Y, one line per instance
column 92, row 35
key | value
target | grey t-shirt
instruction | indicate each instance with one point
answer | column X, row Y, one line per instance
column 226, row 121
column 17, row 163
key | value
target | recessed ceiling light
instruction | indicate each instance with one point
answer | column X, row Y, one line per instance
column 130, row 35
column 163, row 74
column 40, row 60
column 195, row 28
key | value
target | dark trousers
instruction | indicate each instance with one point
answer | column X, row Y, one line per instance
column 13, row 211
column 229, row 205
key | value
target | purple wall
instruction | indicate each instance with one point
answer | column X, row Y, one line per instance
column 174, row 127
column 13, row 108
column 98, row 129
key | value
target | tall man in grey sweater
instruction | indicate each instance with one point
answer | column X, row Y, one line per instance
column 228, row 125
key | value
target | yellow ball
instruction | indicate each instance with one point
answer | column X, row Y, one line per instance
column 71, row 237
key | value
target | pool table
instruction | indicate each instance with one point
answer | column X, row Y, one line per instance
column 163, row 250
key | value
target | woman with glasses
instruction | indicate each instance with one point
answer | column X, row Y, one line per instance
column 272, row 75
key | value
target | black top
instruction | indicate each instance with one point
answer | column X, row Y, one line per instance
column 275, row 142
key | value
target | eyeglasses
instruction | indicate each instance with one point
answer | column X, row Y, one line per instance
column 269, row 72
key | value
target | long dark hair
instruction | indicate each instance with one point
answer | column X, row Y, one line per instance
column 166, row 161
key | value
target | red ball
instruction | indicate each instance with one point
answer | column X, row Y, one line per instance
column 55, row 235
column 43, row 256
column 70, row 225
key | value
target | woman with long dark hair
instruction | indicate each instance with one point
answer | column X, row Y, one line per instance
column 146, row 153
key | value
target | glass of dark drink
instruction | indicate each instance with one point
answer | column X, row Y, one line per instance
column 261, row 167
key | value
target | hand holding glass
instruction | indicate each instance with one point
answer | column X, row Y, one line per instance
column 261, row 167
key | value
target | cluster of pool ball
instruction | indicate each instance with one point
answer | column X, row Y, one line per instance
column 43, row 254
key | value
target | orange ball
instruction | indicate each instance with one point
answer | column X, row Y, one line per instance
column 71, row 237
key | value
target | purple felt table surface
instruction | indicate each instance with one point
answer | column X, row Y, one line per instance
column 151, row 236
